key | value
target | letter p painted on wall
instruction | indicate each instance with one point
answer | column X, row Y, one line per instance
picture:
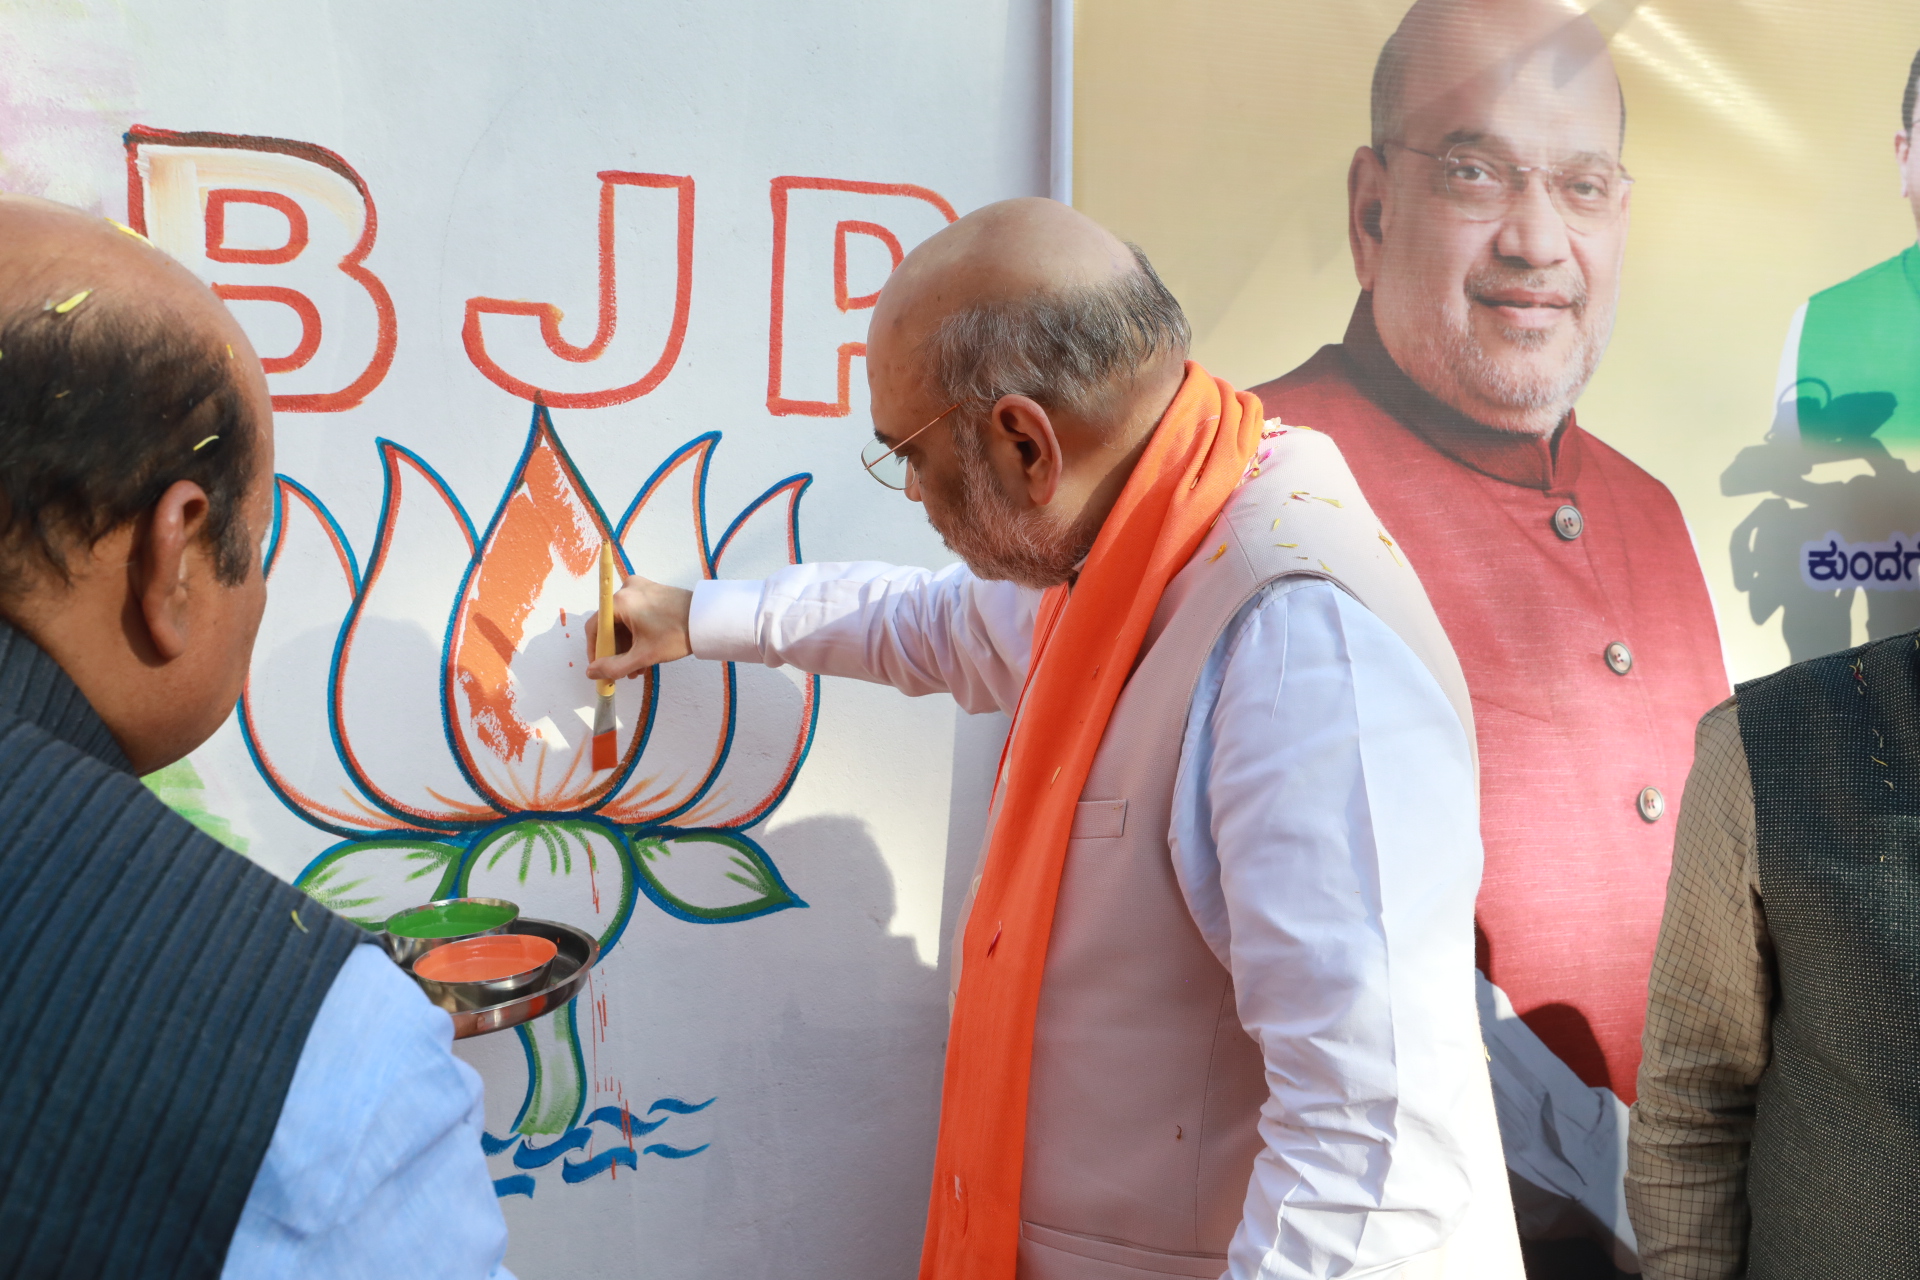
column 830, row 238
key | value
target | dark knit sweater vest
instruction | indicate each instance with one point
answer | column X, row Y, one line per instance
column 1834, row 748
column 157, row 995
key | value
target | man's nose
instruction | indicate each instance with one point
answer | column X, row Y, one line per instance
column 913, row 483
column 1533, row 231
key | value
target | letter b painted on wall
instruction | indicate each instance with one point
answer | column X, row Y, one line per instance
column 281, row 230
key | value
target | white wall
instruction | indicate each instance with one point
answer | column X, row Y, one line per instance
column 478, row 131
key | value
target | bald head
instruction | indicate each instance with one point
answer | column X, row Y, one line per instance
column 1049, row 350
column 46, row 247
column 1024, row 297
column 120, row 374
column 1446, row 48
column 1001, row 255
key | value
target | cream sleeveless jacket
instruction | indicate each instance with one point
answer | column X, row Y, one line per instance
column 1146, row 1092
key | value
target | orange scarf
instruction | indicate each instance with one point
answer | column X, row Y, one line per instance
column 1084, row 647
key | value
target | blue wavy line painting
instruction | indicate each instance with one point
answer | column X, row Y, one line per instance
column 532, row 1157
column 445, row 673
column 626, row 1126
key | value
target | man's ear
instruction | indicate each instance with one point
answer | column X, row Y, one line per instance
column 1902, row 147
column 169, row 567
column 1366, row 201
column 1023, row 448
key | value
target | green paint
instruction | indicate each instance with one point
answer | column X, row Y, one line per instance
column 454, row 919
column 181, row 789
column 517, row 850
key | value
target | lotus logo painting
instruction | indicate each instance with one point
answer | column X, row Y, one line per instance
column 432, row 709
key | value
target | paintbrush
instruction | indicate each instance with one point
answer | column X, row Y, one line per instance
column 606, row 750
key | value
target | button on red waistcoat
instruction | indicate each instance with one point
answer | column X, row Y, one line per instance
column 1575, row 877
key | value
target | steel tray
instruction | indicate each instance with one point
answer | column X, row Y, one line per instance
column 578, row 953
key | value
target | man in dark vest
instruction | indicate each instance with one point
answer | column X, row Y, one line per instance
column 204, row 1071
column 1777, row 1132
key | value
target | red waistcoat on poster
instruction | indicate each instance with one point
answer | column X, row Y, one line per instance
column 1567, row 582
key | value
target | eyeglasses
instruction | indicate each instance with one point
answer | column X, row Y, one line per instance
column 1483, row 187
column 885, row 462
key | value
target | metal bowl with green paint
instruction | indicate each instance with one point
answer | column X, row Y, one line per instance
column 412, row 933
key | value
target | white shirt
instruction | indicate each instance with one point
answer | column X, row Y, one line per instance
column 1325, row 837
column 375, row 1165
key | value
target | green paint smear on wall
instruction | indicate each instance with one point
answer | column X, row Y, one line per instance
column 181, row 790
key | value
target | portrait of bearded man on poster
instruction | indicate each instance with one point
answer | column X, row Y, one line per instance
column 1488, row 221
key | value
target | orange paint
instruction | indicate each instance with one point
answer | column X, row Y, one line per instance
column 841, row 231
column 286, row 206
column 486, row 959
column 547, row 524
column 299, row 303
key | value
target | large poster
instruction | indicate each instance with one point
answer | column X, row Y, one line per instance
column 528, row 279
column 1614, row 309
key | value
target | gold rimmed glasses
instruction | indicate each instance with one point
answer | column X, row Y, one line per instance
column 1483, row 186
column 885, row 463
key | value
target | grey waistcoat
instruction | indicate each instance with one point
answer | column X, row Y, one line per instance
column 157, row 995
column 1836, row 1140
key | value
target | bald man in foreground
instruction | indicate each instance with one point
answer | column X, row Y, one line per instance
column 1214, row 1011
column 1488, row 221
column 206, row 1072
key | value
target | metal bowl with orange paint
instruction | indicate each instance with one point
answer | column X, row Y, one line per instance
column 476, row 973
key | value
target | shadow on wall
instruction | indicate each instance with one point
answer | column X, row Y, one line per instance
column 846, row 1023
column 1880, row 500
column 855, row 1030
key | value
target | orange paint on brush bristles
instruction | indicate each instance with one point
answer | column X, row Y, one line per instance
column 606, row 747
column 486, row 959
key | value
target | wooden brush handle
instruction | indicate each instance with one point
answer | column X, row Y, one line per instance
column 603, row 642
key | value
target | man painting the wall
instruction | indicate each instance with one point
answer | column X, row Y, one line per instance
column 1214, row 1009
column 206, row 1072
column 1488, row 222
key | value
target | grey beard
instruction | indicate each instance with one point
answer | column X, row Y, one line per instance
column 999, row 541
column 1474, row 370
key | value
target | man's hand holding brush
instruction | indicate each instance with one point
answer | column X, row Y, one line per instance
column 650, row 624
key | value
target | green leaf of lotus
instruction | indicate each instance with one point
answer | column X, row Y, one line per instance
column 710, row 876
column 577, row 871
column 368, row 880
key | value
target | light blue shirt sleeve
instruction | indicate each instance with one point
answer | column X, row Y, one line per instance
column 375, row 1167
